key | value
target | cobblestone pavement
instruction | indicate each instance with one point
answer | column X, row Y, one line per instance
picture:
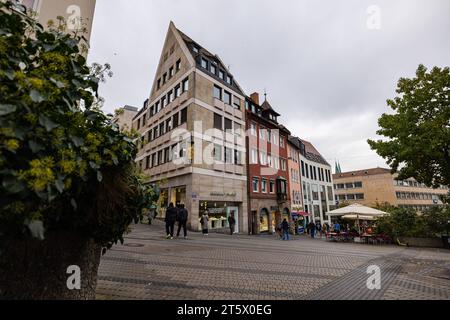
column 242, row 267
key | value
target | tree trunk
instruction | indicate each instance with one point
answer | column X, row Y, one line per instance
column 32, row 269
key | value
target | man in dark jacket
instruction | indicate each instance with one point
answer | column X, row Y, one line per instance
column 231, row 223
column 312, row 229
column 182, row 220
column 285, row 228
column 171, row 217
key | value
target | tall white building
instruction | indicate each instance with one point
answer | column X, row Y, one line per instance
column 317, row 184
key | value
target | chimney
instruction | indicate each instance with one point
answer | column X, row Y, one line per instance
column 255, row 97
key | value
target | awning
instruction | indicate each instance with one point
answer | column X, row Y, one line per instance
column 303, row 214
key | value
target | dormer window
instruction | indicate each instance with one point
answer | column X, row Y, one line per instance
column 204, row 63
column 221, row 74
column 229, row 80
column 213, row 68
column 195, row 49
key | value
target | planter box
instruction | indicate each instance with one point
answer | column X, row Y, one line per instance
column 423, row 242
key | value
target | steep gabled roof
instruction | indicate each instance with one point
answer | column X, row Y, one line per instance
column 191, row 44
column 312, row 154
column 267, row 107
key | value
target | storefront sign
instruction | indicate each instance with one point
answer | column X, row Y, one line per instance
column 220, row 194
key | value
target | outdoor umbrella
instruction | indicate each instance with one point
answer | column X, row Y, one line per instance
column 359, row 211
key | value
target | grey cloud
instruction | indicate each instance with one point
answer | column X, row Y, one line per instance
column 323, row 69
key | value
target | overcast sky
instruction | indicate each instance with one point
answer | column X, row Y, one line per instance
column 326, row 67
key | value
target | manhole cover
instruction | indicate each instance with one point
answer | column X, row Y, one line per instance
column 133, row 245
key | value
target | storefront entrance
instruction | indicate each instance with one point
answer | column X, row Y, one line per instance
column 218, row 213
column 264, row 221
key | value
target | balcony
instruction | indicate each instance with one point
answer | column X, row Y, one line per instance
column 281, row 196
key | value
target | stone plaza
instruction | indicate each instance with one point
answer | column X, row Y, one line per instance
column 242, row 267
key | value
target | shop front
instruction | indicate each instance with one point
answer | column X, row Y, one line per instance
column 218, row 213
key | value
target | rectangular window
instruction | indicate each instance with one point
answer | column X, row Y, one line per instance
column 283, row 165
column 221, row 74
column 254, row 156
column 303, row 168
column 237, row 157
column 218, row 93
column 358, row 184
column 144, row 120
column 307, row 170
column 152, row 111
column 175, row 120
column 183, row 116
column 147, row 162
column 177, row 91
column 185, row 84
column 229, row 80
column 171, row 72
column 155, row 132
column 253, row 129
column 359, row 196
column 170, row 96
column 167, row 155
column 272, row 186
column 154, row 161
column 213, row 68
column 204, row 63
column 158, row 84
column 237, row 103
column 349, row 185
column 264, row 186
column 227, row 97
column 139, row 123
column 163, row 102
column 255, row 185
column 217, row 153
column 274, row 138
column 315, row 173
column 277, row 163
column 282, row 142
column 228, row 155
column 164, row 78
column 160, row 157
column 262, row 133
column 157, row 107
column 161, row 129
column 263, row 158
column 228, row 126
column 218, row 122
column 178, row 65
column 350, row 197
column 169, row 124
column 237, row 129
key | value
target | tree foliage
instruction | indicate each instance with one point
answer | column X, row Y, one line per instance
column 408, row 223
column 62, row 161
column 419, row 130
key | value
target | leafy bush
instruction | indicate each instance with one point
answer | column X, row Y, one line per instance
column 407, row 223
column 62, row 161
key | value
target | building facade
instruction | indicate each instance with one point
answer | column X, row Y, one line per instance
column 124, row 117
column 267, row 144
column 379, row 186
column 192, row 140
column 295, row 184
column 317, row 183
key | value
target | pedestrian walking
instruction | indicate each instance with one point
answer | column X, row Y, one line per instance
column 182, row 220
column 204, row 220
column 285, row 228
column 171, row 217
column 337, row 227
column 312, row 229
column 231, row 223
column 319, row 228
column 324, row 228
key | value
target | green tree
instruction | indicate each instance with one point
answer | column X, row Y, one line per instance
column 418, row 131
column 67, row 178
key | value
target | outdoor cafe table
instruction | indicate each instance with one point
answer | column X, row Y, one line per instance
column 334, row 236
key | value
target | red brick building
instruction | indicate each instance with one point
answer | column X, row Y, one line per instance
column 267, row 161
